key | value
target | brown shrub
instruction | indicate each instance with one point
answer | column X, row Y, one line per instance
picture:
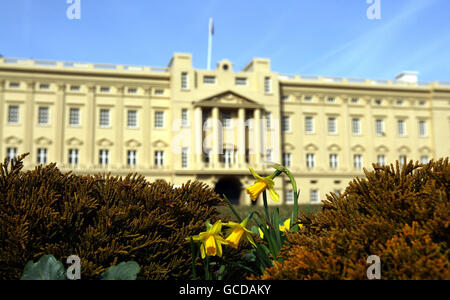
column 401, row 215
column 102, row 219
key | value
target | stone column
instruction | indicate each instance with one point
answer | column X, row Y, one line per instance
column 241, row 138
column 28, row 122
column 198, row 137
column 119, row 129
column 2, row 106
column 60, row 124
column 217, row 137
column 257, row 137
column 90, row 119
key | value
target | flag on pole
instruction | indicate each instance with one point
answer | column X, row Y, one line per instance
column 211, row 33
column 211, row 26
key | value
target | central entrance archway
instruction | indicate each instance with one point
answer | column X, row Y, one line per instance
column 231, row 187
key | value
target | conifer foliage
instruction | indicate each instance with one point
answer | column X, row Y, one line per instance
column 103, row 219
column 401, row 215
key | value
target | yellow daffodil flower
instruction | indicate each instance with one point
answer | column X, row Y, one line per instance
column 237, row 231
column 261, row 234
column 260, row 185
column 211, row 240
column 286, row 225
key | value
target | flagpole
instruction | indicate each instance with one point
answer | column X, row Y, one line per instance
column 210, row 43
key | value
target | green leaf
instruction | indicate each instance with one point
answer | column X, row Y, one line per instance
column 47, row 268
column 123, row 271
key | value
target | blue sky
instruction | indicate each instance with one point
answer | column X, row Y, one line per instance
column 314, row 37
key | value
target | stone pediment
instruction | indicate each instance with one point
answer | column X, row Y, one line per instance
column 74, row 142
column 382, row 149
column 43, row 141
column 132, row 143
column 12, row 140
column 228, row 99
column 311, row 148
column 404, row 150
column 358, row 149
column 334, row 148
column 289, row 147
column 104, row 143
column 160, row 144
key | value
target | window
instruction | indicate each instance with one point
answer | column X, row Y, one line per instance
column 289, row 197
column 44, row 86
column 284, row 98
column 287, row 160
column 332, row 126
column 13, row 114
column 132, row 119
column 103, row 158
column 286, row 123
column 132, row 158
column 184, row 81
column 379, row 127
column 422, row 128
column 43, row 116
column 308, row 99
column 399, row 103
column 74, row 117
column 207, row 156
column 378, row 101
column 356, row 126
column 159, row 92
column 401, row 126
column 75, row 88
column 132, row 91
column 381, row 159
column 355, row 100
column 269, row 155
column 105, row 89
column 228, row 157
column 184, row 158
column 159, row 158
column 331, row 100
column 314, row 196
column 357, row 161
column 42, row 156
column 241, row 81
column 209, row 80
column 309, row 125
column 11, row 153
column 184, row 118
column 226, row 119
column 159, row 119
column 73, row 157
column 424, row 159
column 333, row 161
column 104, row 118
column 422, row 103
column 310, row 160
column 402, row 160
column 268, row 120
column 267, row 85
column 14, row 85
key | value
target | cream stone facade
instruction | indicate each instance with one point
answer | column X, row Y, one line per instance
column 180, row 123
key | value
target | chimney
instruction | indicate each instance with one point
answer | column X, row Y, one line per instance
column 408, row 77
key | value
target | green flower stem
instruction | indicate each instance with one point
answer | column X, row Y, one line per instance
column 232, row 208
column 266, row 206
column 194, row 258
